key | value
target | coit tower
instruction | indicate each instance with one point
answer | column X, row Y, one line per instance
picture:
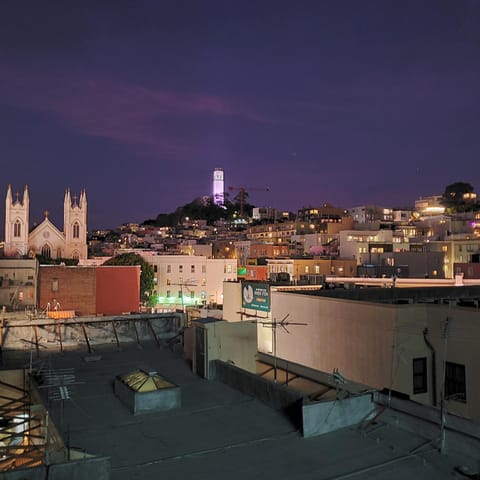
column 218, row 188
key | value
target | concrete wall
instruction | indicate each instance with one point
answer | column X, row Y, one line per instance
column 324, row 417
column 75, row 288
column 234, row 343
column 274, row 395
column 232, row 301
column 89, row 468
column 338, row 334
column 97, row 468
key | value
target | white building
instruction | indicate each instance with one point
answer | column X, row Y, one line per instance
column 188, row 280
column 46, row 239
column 387, row 338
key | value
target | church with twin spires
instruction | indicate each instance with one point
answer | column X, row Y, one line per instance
column 45, row 238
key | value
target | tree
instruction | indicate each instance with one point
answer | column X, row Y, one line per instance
column 146, row 276
column 457, row 198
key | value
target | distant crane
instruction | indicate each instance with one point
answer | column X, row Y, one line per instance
column 242, row 193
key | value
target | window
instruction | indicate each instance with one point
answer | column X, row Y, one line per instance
column 179, row 294
column 192, row 268
column 204, row 281
column 155, row 268
column 17, row 229
column 204, row 269
column 229, row 268
column 55, row 285
column 455, row 382
column 168, row 293
column 46, row 253
column 76, row 230
column 169, row 281
column 169, row 269
column 192, row 294
column 307, row 269
column 420, row 375
column 180, row 269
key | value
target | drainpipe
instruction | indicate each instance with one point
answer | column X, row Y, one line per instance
column 434, row 367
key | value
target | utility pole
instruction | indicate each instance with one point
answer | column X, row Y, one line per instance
column 443, row 393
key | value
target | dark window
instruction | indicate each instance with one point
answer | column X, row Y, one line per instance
column 420, row 375
column 455, row 382
column 76, row 230
column 17, row 229
column 46, row 252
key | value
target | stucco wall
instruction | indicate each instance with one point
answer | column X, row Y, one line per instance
column 337, row 334
column 375, row 344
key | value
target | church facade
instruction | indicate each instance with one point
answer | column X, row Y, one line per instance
column 45, row 238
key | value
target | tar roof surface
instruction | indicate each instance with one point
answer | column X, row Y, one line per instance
column 219, row 432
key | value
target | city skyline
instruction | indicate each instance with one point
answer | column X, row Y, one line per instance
column 345, row 102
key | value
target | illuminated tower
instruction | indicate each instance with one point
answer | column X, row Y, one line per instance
column 218, row 188
column 16, row 223
column 75, row 225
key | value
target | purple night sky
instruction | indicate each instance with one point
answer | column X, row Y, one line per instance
column 342, row 101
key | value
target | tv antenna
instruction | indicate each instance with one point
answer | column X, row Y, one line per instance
column 274, row 325
column 186, row 285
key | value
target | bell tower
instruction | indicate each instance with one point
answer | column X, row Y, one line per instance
column 75, row 225
column 16, row 223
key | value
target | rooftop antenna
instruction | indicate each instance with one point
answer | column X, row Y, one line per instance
column 274, row 325
column 186, row 285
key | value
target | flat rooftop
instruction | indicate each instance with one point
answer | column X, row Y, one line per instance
column 219, row 432
column 464, row 295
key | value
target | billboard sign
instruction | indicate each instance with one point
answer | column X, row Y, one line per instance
column 256, row 296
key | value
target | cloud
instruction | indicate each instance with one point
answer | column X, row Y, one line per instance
column 122, row 112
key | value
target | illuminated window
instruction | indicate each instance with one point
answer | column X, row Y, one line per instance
column 307, row 269
column 229, row 268
column 76, row 230
column 204, row 281
column 444, row 248
column 20, row 296
column 17, row 229
column 317, row 268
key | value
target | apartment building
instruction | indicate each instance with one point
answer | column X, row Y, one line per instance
column 188, row 280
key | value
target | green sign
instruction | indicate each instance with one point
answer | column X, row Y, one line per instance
column 241, row 271
column 256, row 296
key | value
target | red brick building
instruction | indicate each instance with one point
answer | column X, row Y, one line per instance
column 89, row 290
